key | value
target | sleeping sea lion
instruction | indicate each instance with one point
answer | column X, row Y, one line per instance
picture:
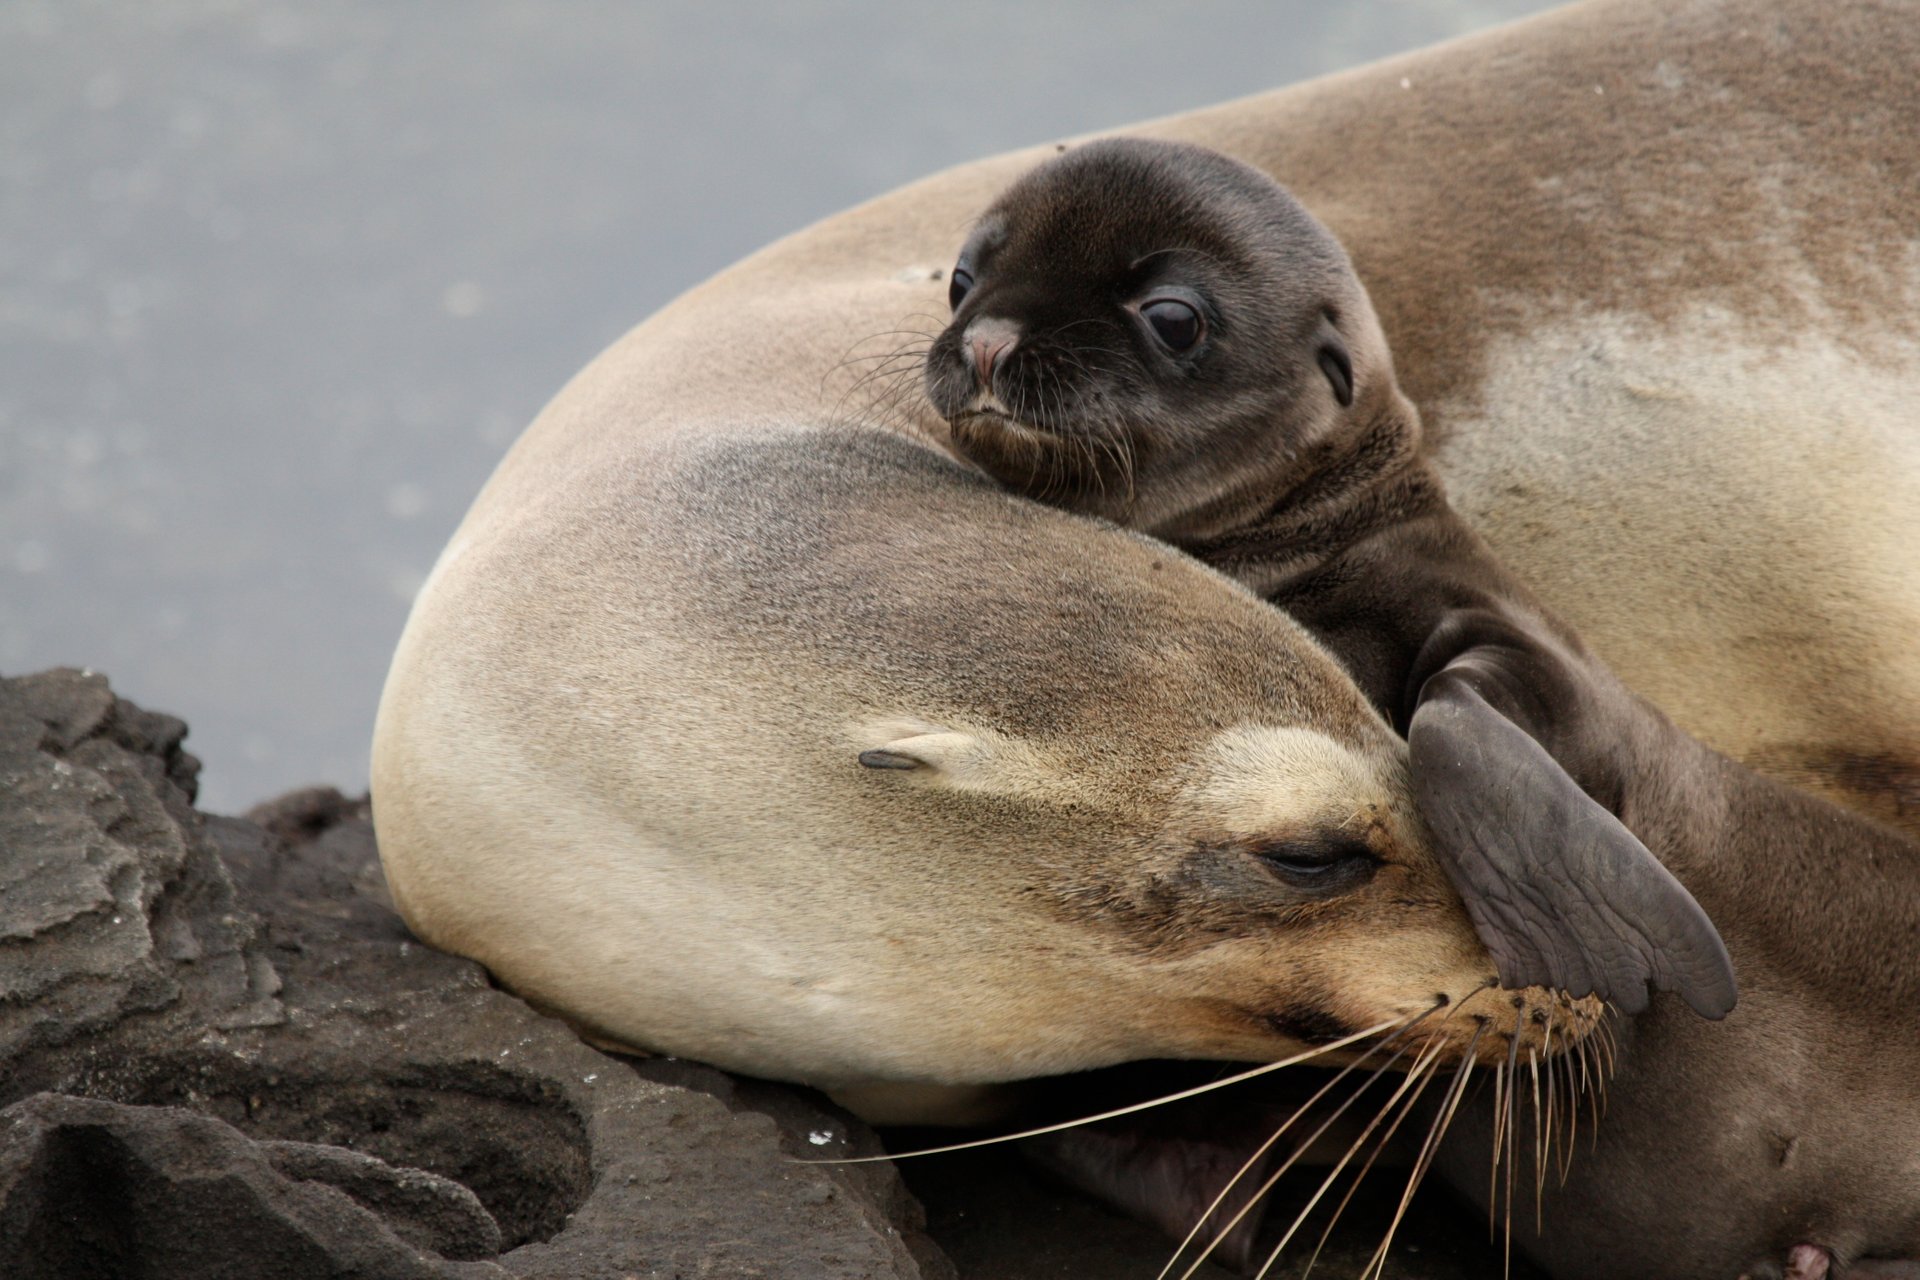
column 1197, row 842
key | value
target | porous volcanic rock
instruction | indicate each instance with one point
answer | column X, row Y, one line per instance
column 222, row 1055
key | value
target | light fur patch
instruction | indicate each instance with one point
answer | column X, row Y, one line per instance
column 1274, row 779
column 1731, row 518
column 964, row 759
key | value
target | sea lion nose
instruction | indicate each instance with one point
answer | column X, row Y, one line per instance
column 989, row 339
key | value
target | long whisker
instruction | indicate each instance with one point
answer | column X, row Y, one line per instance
column 1367, row 1167
column 1603, row 1077
column 1513, row 1075
column 1579, row 1086
column 891, row 389
column 1130, row 1109
column 850, row 356
column 1419, row 1075
column 881, row 365
column 1421, row 1071
column 1435, row 1132
column 890, row 369
column 1567, row 1148
column 1226, row 1229
column 1539, row 1159
column 1493, row 1165
column 1590, row 1083
column 1547, row 1124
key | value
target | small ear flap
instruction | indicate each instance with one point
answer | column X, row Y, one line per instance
column 961, row 759
column 1336, row 363
column 1560, row 892
column 946, row 751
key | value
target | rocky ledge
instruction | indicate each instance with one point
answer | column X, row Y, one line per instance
column 221, row 1055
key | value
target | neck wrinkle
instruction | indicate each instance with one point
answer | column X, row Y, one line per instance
column 1344, row 490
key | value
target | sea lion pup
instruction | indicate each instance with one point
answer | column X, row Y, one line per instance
column 1798, row 1111
column 1154, row 332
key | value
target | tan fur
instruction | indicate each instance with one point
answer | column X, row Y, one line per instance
column 1651, row 277
column 1652, row 274
column 640, row 803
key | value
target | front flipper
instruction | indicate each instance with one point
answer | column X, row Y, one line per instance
column 1561, row 893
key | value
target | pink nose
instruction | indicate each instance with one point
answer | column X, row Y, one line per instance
column 989, row 340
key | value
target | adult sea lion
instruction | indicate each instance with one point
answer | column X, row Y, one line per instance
column 1492, row 170
column 1056, row 371
column 1201, row 823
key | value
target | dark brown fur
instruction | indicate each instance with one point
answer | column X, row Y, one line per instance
column 1176, row 443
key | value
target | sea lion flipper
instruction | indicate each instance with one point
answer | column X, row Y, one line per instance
column 1561, row 893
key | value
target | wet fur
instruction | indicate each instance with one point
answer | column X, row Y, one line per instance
column 1105, row 419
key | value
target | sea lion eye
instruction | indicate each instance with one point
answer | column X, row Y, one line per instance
column 1320, row 864
column 960, row 287
column 1176, row 324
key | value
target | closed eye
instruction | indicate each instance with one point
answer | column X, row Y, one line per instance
column 1320, row 864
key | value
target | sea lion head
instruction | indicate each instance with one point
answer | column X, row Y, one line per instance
column 870, row 771
column 1156, row 333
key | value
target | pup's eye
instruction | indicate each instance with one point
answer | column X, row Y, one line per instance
column 1176, row 324
column 960, row 287
column 1320, row 863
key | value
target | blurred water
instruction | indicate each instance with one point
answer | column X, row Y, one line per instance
column 279, row 283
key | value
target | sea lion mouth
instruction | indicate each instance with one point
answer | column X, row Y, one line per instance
column 995, row 417
column 1007, row 445
column 1308, row 1025
column 1057, row 462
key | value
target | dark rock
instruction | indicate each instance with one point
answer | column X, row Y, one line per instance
column 110, row 905
column 90, row 1188
column 423, row 1209
column 263, row 1074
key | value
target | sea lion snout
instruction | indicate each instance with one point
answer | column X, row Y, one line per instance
column 987, row 339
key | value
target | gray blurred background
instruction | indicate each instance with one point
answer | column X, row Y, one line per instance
column 280, row 283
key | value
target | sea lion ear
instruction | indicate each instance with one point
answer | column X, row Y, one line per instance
column 965, row 760
column 1336, row 364
column 946, row 752
column 1561, row 893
